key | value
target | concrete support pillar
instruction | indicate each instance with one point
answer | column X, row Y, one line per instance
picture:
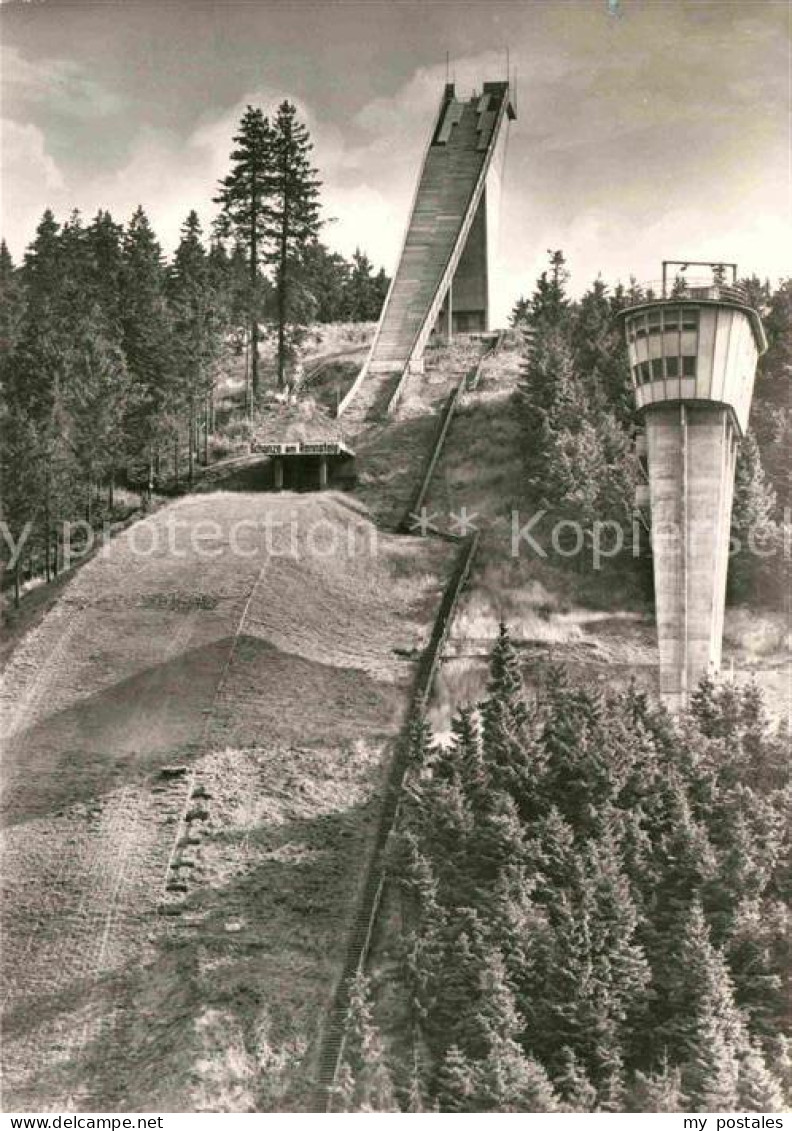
column 277, row 474
column 692, row 452
column 450, row 313
column 322, row 472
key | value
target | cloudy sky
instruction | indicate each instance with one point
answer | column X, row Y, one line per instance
column 646, row 128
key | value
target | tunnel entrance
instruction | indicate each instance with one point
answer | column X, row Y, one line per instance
column 307, row 466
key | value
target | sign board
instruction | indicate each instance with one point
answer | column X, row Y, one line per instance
column 303, row 448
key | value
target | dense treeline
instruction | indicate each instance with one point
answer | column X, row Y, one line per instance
column 579, row 422
column 111, row 355
column 595, row 908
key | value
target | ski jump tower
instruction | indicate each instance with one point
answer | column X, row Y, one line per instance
column 442, row 280
column 693, row 354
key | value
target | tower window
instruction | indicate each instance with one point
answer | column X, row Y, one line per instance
column 688, row 367
column 646, row 373
column 690, row 319
column 672, row 366
column 657, row 369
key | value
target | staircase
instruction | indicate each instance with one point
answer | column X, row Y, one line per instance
column 363, row 925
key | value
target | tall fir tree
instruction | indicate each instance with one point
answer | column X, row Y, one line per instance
column 244, row 198
column 197, row 325
column 291, row 218
column 104, row 238
column 147, row 340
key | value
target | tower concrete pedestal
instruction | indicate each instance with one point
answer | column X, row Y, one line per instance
column 692, row 450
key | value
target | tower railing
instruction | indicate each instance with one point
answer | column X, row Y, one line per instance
column 691, row 289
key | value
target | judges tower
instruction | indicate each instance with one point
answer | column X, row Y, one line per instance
column 693, row 353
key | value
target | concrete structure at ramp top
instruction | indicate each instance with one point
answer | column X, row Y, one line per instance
column 443, row 277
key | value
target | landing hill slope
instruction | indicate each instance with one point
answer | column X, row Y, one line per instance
column 196, row 734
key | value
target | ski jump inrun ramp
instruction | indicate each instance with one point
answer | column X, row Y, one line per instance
column 442, row 280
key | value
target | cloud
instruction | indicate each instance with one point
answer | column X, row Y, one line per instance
column 22, row 149
column 61, row 82
column 614, row 158
column 368, row 175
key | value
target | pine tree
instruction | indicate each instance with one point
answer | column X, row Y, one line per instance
column 549, row 303
column 363, row 1055
column 505, row 679
column 711, row 1071
column 96, row 390
column 32, row 379
column 104, row 240
column 573, row 1085
column 77, row 269
column 291, row 215
column 520, row 313
column 757, row 1088
column 590, row 982
column 468, row 755
column 61, row 478
column 780, row 1056
column 757, row 949
column 364, row 292
column 771, row 413
column 244, row 199
column 704, row 707
column 11, row 303
column 753, row 526
column 459, row 1015
column 325, row 275
column 455, row 1084
column 601, row 354
column 511, row 1081
column 705, row 1028
column 198, row 327
column 659, row 1091
column 551, row 398
column 415, row 1094
column 147, row 340
column 22, row 475
column 512, row 759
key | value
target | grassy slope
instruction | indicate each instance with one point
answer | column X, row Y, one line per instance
column 280, row 680
column 391, row 456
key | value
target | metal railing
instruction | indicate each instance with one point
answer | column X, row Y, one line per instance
column 691, row 289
